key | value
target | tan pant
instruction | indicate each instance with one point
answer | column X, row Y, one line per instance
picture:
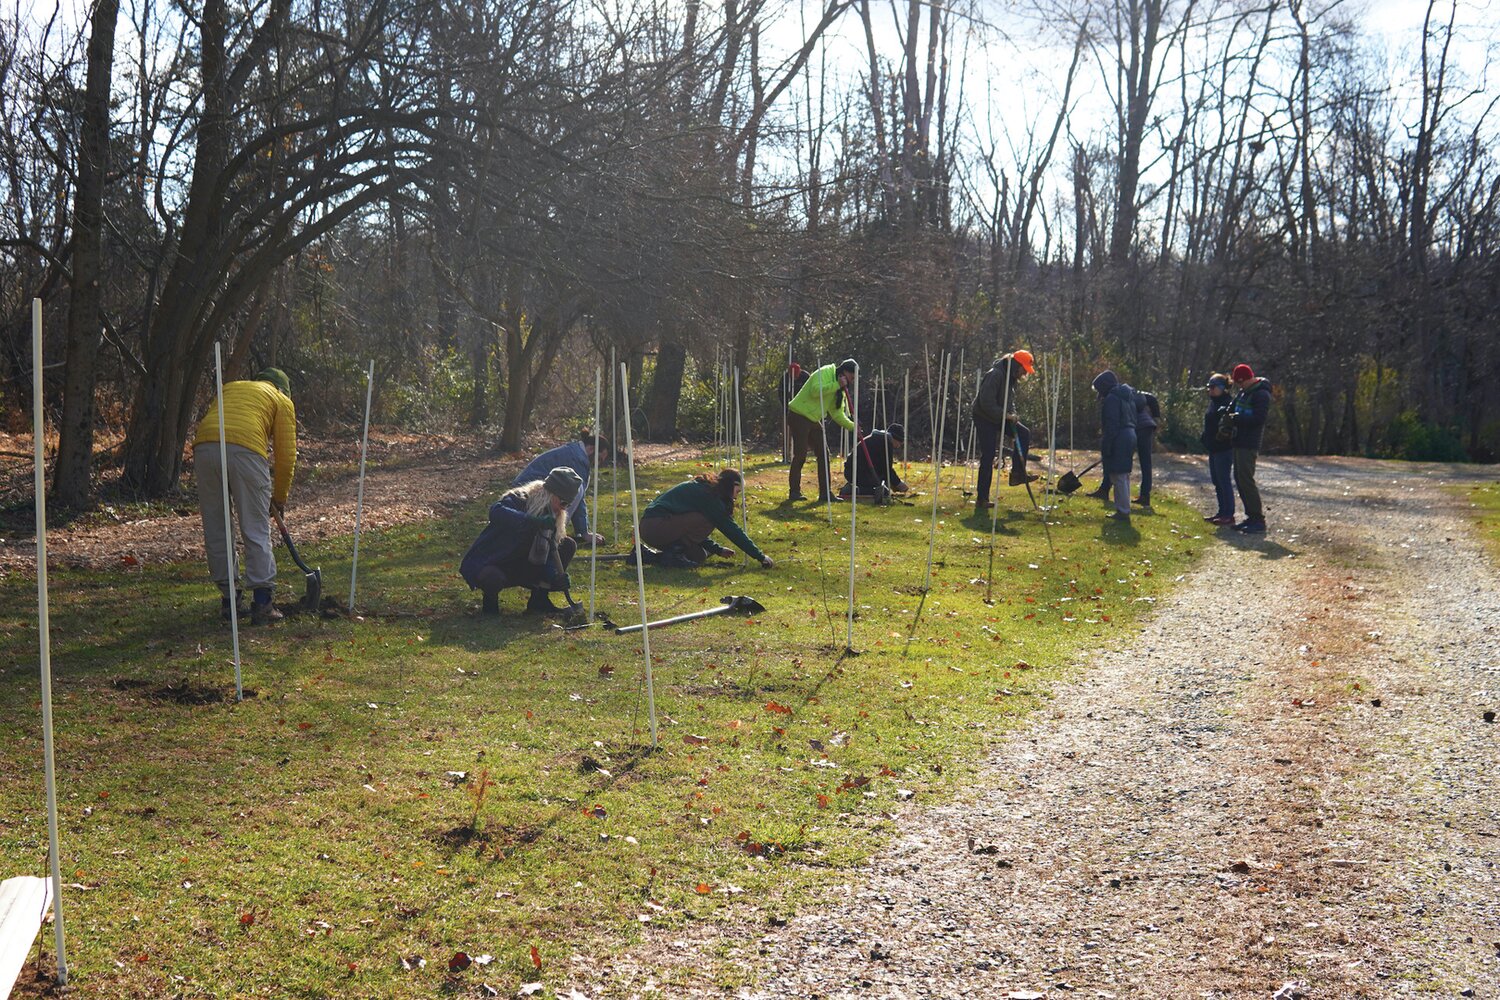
column 688, row 530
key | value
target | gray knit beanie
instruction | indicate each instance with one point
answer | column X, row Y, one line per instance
column 563, row 483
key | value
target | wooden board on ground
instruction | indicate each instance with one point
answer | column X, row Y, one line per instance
column 24, row 901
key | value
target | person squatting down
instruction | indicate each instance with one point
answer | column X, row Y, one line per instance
column 1217, row 438
column 525, row 544
column 576, row 455
column 874, row 459
column 259, row 422
column 1117, row 439
column 989, row 415
column 677, row 523
column 822, row 395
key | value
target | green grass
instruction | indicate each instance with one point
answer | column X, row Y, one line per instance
column 1484, row 499
column 305, row 841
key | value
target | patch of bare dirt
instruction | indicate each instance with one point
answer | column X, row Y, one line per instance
column 1283, row 786
column 408, row 478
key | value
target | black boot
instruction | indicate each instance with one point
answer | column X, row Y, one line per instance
column 491, row 603
column 540, row 603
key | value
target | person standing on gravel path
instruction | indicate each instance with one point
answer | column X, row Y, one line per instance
column 1217, row 438
column 259, row 422
column 1248, row 413
column 1117, row 439
column 997, row 395
column 576, row 455
column 822, row 395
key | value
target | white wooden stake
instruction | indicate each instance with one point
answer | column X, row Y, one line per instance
column 44, row 635
column 594, row 482
column 958, row 423
column 614, row 449
column 906, row 425
column 640, row 571
column 823, row 444
column 359, row 503
column 989, row 581
column 853, row 506
column 739, row 443
column 234, row 572
column 932, row 529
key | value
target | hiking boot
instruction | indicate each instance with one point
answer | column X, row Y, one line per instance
column 1020, row 477
column 673, row 558
column 490, row 606
column 1142, row 502
column 540, row 603
column 1223, row 520
column 239, row 606
column 1249, row 527
column 715, row 549
column 264, row 613
column 1102, row 493
column 984, row 505
column 795, row 497
column 1118, row 515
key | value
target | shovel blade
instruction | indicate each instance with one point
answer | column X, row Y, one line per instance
column 1069, row 484
column 314, row 596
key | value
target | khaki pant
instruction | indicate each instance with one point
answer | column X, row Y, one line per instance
column 250, row 499
column 807, row 434
column 688, row 530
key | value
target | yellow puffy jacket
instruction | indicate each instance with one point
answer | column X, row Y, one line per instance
column 822, row 394
column 258, row 416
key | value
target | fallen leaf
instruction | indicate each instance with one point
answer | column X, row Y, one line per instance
column 459, row 962
column 536, row 957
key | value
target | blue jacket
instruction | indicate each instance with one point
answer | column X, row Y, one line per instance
column 567, row 456
column 1117, row 409
column 506, row 538
column 1252, row 405
column 1147, row 411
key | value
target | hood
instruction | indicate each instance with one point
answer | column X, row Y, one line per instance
column 1255, row 386
column 1105, row 381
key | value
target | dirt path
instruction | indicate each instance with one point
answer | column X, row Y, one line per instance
column 1285, row 783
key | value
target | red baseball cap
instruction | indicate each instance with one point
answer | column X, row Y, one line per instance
column 1241, row 373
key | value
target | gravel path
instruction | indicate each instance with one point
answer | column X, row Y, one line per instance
column 1284, row 784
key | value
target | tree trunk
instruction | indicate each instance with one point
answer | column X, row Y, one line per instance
column 666, row 391
column 72, row 480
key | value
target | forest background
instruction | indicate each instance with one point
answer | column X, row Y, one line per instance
column 487, row 197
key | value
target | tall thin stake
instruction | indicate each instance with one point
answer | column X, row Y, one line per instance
column 958, row 422
column 906, row 424
column 359, row 503
column 44, row 635
column 937, row 479
column 640, row 572
column 594, row 482
column 614, row 450
column 825, row 488
column 853, row 512
column 1070, row 405
column 234, row 572
column 739, row 443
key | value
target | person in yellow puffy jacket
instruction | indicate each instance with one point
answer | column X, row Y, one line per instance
column 260, row 436
column 822, row 395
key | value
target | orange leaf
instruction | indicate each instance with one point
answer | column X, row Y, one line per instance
column 536, row 957
column 694, row 741
column 704, row 888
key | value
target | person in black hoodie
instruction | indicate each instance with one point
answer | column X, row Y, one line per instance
column 879, row 447
column 1147, row 420
column 1117, row 440
column 1217, row 437
column 1251, row 407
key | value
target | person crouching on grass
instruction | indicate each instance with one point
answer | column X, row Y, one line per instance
column 526, row 543
column 677, row 523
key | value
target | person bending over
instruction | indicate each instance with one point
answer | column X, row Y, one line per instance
column 874, row 459
column 526, row 543
column 997, row 394
column 259, row 421
column 579, row 456
column 677, row 523
column 822, row 395
column 1117, row 442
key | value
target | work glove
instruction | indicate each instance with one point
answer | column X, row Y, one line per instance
column 278, row 510
column 766, row 563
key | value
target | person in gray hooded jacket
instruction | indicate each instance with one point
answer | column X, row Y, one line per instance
column 1117, row 439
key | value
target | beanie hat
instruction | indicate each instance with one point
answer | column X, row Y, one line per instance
column 278, row 378
column 1105, row 381
column 847, row 365
column 1242, row 373
column 563, row 483
column 1025, row 360
column 896, row 431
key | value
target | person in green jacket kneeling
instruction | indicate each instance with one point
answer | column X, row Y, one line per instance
column 824, row 394
column 677, row 523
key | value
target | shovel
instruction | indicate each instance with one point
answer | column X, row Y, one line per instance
column 314, row 597
column 728, row 605
column 1070, row 483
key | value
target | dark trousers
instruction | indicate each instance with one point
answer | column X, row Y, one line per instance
column 1143, row 438
column 1221, row 471
column 987, row 436
column 686, row 531
column 521, row 572
column 807, row 434
column 1244, row 478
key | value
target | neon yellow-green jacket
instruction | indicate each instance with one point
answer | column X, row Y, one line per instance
column 807, row 402
column 258, row 416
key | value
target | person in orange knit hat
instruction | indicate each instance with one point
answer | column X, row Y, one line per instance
column 997, row 394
